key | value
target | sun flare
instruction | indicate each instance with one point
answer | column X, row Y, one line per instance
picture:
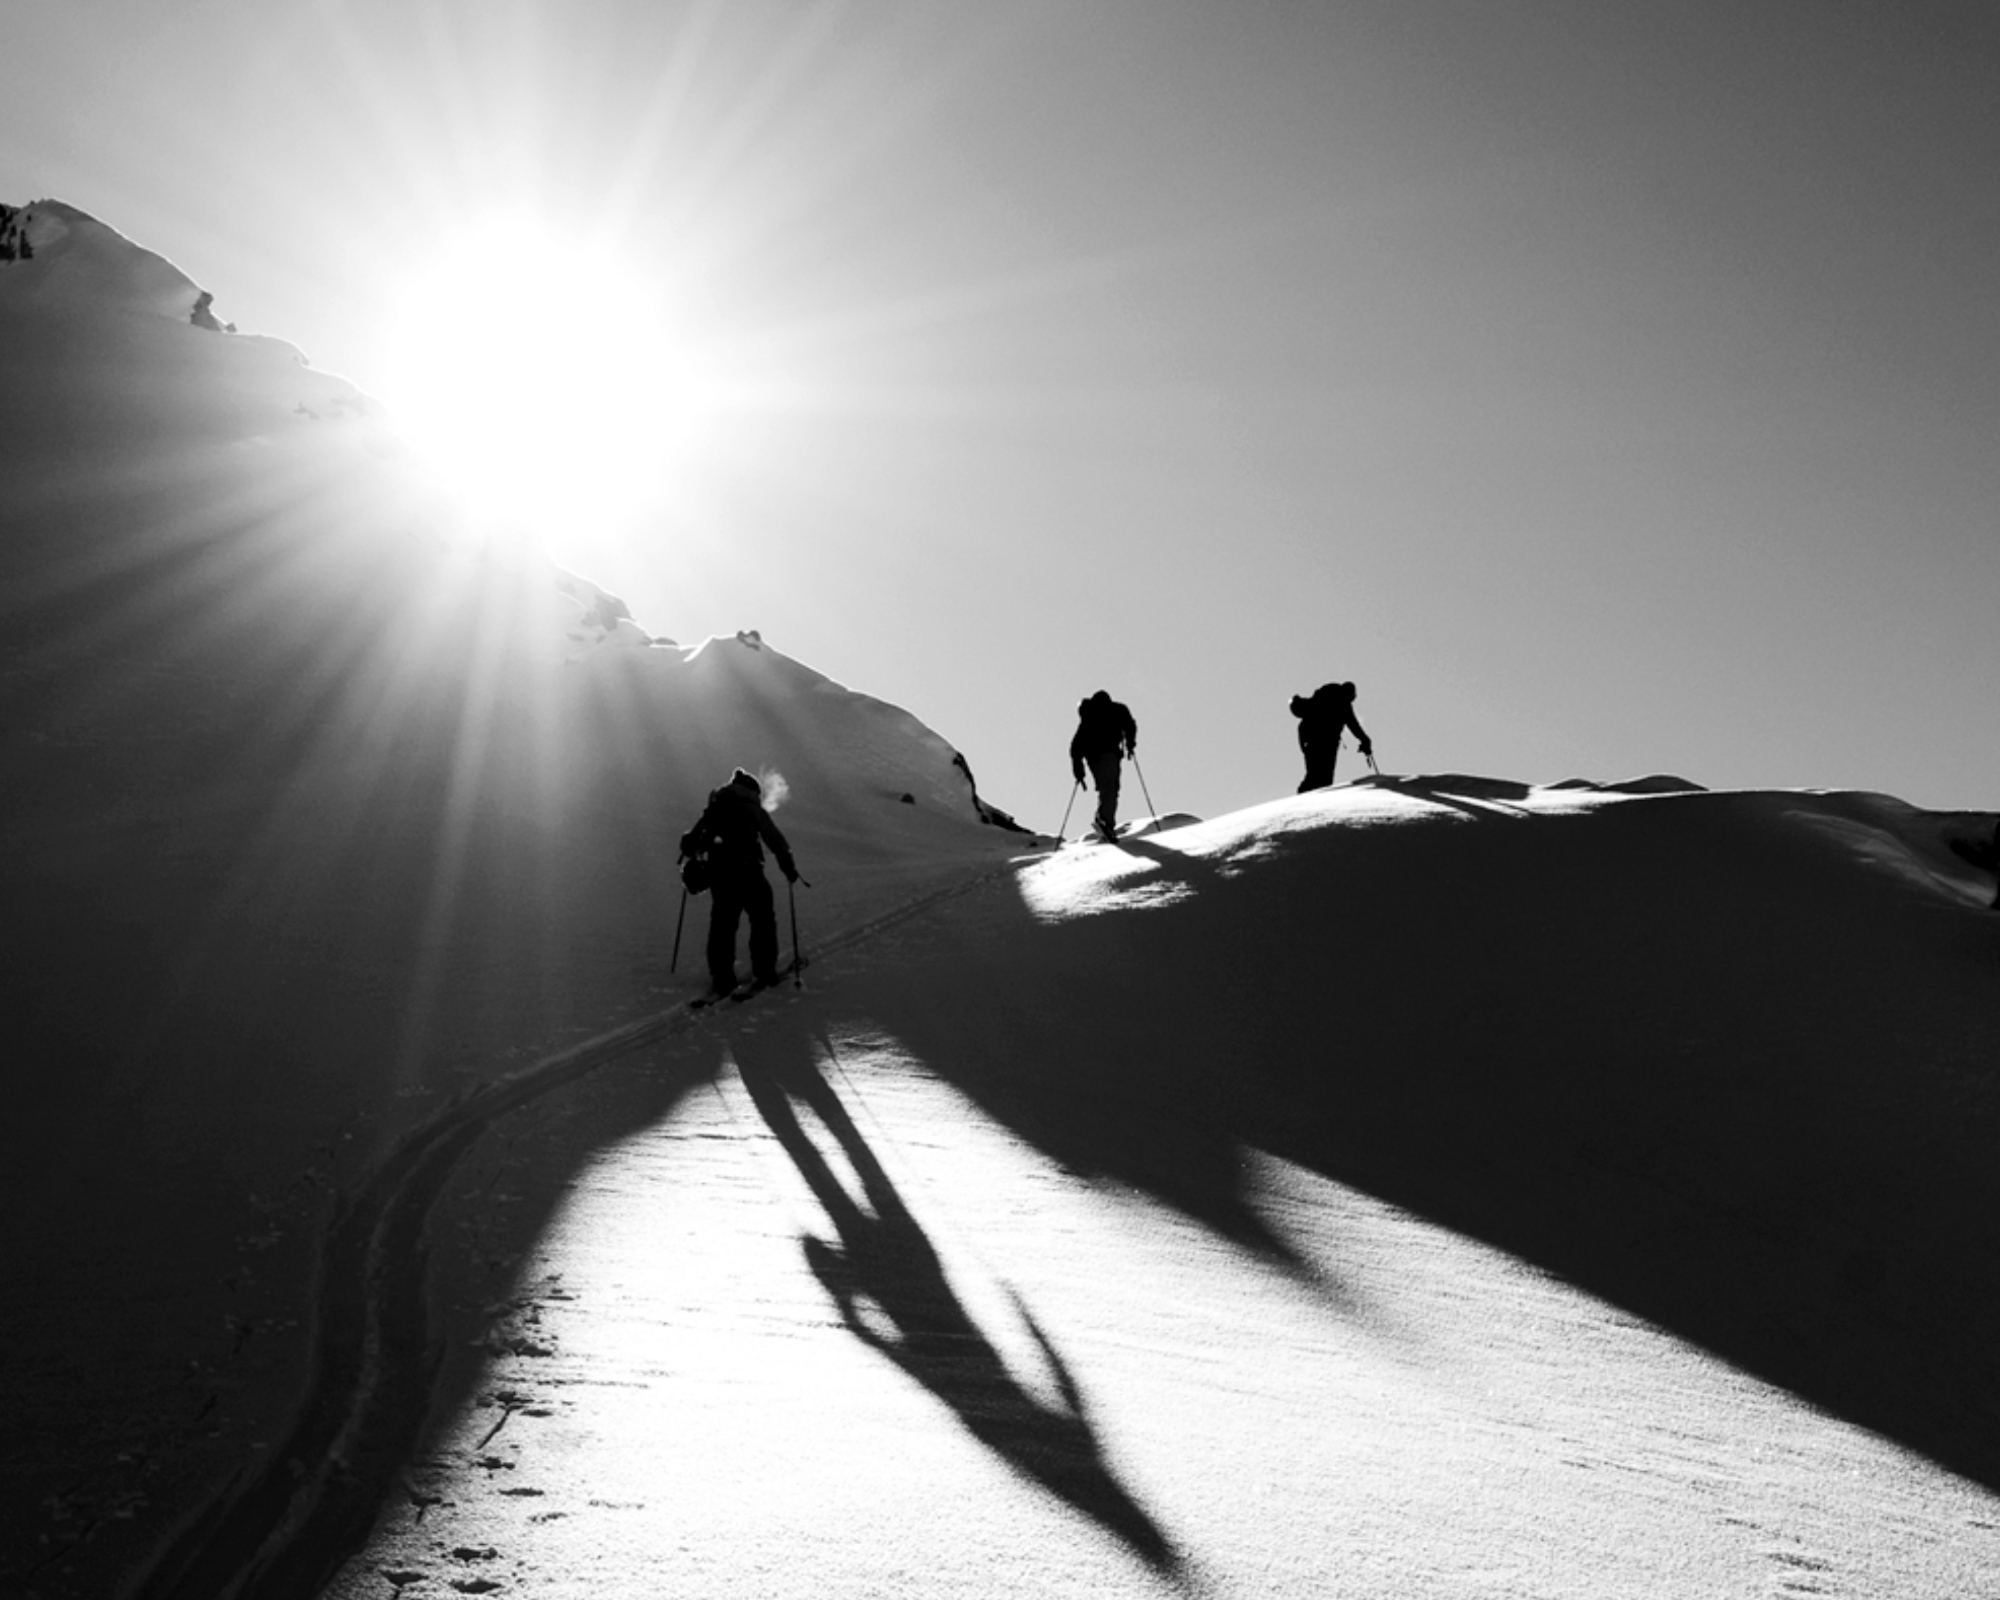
column 541, row 387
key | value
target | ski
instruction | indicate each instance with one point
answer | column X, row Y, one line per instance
column 735, row 996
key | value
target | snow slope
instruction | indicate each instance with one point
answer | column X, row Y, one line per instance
column 1432, row 1186
column 317, row 811
column 113, row 351
column 1428, row 1187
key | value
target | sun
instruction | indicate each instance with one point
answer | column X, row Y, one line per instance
column 537, row 381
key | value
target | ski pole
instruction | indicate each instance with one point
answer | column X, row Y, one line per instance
column 1075, row 790
column 679, row 917
column 1369, row 755
column 1143, row 789
column 798, row 958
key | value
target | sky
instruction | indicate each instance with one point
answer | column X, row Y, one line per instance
column 1604, row 388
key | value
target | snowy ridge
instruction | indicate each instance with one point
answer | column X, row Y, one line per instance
column 1436, row 1185
column 1924, row 851
column 1418, row 1185
column 855, row 738
column 63, row 259
column 109, row 340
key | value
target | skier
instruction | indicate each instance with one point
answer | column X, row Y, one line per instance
column 1105, row 735
column 730, row 835
column 1323, row 717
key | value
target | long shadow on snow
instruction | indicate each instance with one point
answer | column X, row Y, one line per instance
column 885, row 1263
column 299, row 837
column 1765, row 1130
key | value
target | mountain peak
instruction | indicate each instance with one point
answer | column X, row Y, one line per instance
column 58, row 254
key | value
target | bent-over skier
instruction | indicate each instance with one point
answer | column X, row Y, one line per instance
column 1323, row 717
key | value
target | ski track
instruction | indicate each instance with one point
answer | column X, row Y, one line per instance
column 694, row 1419
column 285, row 1530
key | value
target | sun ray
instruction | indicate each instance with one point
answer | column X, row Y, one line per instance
column 538, row 399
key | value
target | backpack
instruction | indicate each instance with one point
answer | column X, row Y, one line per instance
column 1325, row 710
column 1101, row 724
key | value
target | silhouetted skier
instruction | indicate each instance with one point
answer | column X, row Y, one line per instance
column 1105, row 735
column 1323, row 717
column 730, row 835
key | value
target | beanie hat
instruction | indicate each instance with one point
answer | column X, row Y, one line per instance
column 744, row 780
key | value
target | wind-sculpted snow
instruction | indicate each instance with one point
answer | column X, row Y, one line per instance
column 1895, row 838
column 60, row 258
column 1089, row 881
column 1416, row 1187
column 1438, row 1185
column 113, row 348
column 1655, row 783
column 1474, row 998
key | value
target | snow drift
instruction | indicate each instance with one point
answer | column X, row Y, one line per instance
column 1237, row 1166
column 1436, row 1186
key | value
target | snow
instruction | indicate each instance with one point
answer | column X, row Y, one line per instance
column 1070, row 1095
column 1436, row 1185
column 104, row 343
column 70, row 262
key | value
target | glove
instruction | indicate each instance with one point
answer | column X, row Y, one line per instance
column 1365, row 748
column 1076, row 772
column 791, row 872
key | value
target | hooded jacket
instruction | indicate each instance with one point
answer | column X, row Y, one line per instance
column 734, row 827
column 1104, row 727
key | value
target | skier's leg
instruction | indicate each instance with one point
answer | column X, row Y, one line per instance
column 1319, row 768
column 722, row 932
column 1104, row 772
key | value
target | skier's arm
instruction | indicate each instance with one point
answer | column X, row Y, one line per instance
column 1131, row 735
column 779, row 847
column 1076, row 754
column 1362, row 740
